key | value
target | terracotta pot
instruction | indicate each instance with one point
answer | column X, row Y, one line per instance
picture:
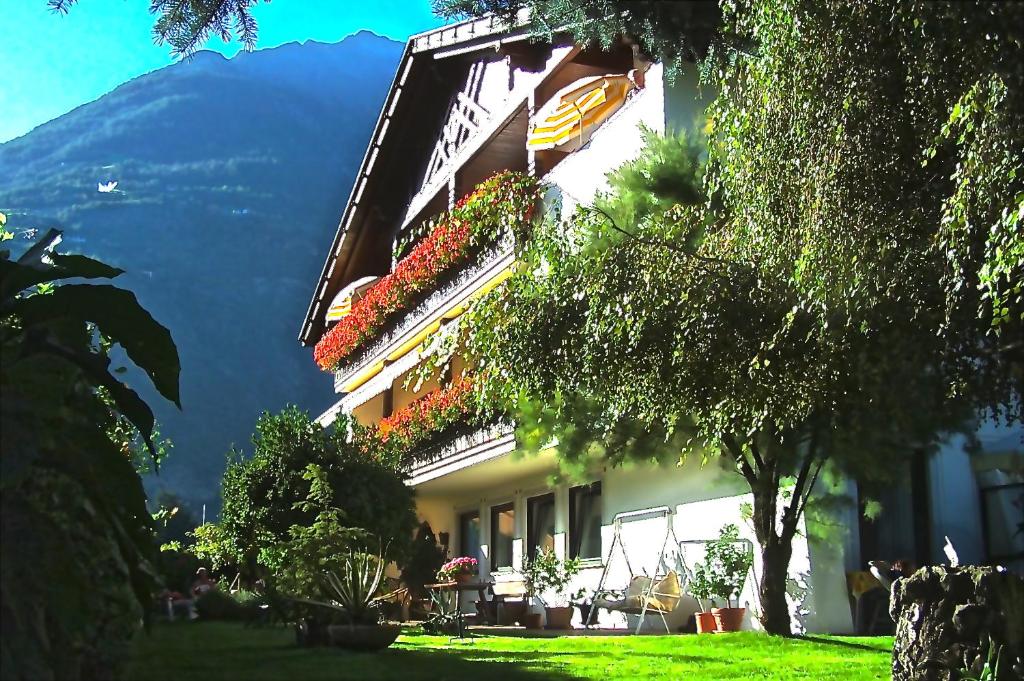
column 706, row 623
column 532, row 620
column 511, row 613
column 559, row 618
column 364, row 637
column 728, row 619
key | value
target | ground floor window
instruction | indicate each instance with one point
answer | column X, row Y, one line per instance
column 469, row 534
column 503, row 530
column 585, row 521
column 540, row 524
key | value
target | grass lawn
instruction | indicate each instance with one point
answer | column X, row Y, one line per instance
column 186, row 650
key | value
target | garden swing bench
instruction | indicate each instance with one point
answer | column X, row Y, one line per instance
column 659, row 593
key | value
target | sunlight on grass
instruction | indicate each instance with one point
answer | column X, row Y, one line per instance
column 229, row 651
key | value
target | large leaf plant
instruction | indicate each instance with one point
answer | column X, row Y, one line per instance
column 78, row 539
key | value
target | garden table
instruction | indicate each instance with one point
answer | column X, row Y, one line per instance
column 451, row 590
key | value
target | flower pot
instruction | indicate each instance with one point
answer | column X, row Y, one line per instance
column 706, row 623
column 532, row 620
column 559, row 618
column 363, row 637
column 462, row 577
column 728, row 619
column 511, row 613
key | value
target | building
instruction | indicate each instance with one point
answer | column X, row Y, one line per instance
column 468, row 101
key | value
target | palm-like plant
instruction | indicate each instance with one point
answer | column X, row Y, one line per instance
column 354, row 586
column 351, row 588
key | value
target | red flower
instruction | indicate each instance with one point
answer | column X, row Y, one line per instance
column 430, row 414
column 503, row 199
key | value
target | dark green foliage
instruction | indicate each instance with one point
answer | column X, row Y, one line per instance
column 180, row 519
column 218, row 225
column 219, row 605
column 186, row 25
column 176, row 570
column 426, row 557
column 78, row 543
column 672, row 32
column 299, row 471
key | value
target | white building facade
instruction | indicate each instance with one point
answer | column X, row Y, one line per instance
column 461, row 108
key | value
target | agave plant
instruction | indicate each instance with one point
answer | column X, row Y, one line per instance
column 352, row 587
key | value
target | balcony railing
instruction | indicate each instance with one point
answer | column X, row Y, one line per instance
column 447, row 295
column 460, row 445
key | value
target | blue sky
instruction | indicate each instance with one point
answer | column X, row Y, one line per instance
column 49, row 63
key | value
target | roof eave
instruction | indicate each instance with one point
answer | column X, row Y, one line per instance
column 483, row 31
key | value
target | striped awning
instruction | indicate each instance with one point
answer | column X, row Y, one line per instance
column 341, row 306
column 566, row 120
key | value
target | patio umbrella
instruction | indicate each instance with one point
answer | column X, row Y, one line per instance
column 566, row 121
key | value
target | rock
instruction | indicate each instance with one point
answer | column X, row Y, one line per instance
column 946, row 618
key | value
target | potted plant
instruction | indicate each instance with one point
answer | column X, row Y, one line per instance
column 721, row 575
column 529, row 617
column 297, row 567
column 550, row 578
column 352, row 589
column 460, row 569
column 700, row 588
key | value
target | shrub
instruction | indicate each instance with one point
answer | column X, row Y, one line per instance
column 218, row 605
column 299, row 471
column 425, row 559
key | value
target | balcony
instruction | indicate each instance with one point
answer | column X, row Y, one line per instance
column 443, row 303
column 460, row 449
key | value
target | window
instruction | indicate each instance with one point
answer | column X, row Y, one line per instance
column 585, row 521
column 503, row 530
column 469, row 534
column 540, row 524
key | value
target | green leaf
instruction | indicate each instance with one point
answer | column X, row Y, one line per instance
column 16, row 277
column 119, row 316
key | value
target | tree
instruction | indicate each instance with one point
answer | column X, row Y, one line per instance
column 792, row 321
column 186, row 25
column 77, row 564
column 675, row 33
column 267, row 495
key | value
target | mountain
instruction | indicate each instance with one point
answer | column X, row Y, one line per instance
column 232, row 174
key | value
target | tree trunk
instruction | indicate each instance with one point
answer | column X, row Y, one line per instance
column 775, row 557
column 775, row 554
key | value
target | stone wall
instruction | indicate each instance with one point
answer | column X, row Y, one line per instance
column 946, row 617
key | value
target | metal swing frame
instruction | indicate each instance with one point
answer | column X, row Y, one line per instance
column 617, row 541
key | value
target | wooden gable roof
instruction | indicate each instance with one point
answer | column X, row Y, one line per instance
column 398, row 153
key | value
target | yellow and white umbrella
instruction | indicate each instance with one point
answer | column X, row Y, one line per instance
column 566, row 121
column 341, row 306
